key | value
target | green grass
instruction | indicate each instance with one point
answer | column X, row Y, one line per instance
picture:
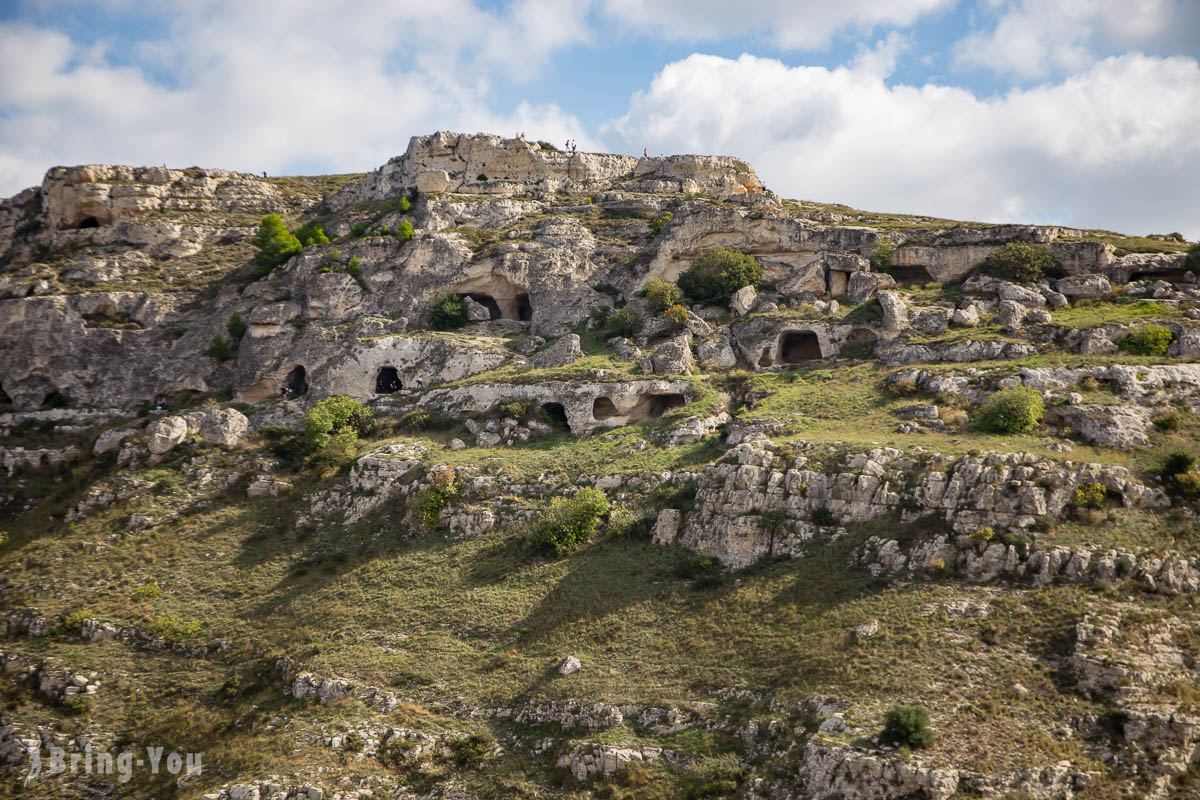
column 1087, row 314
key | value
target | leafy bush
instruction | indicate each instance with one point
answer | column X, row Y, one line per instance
column 77, row 705
column 1146, row 340
column 1022, row 262
column 881, row 259
column 661, row 295
column 275, row 244
column 718, row 273
column 568, row 522
column 623, row 322
column 236, row 326
column 404, row 231
column 656, row 224
column 1180, row 475
column 311, row 234
column 443, row 489
column 473, row 748
column 176, row 629
column 423, row 419
column 332, row 427
column 219, row 349
column 1090, row 495
column 824, row 517
column 1017, row 409
column 405, row 205
column 1193, row 258
column 1170, row 421
column 982, row 535
column 677, row 315
column 359, row 230
column 147, row 591
column 520, row 410
column 448, row 310
column 907, row 726
column 705, row 572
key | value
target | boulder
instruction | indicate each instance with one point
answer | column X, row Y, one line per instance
column 1010, row 314
column 671, row 358
column 167, row 434
column 895, row 312
column 476, row 312
column 110, row 440
column 569, row 666
column 1084, row 286
column 565, row 351
column 1019, row 294
column 965, row 317
column 716, row 354
column 224, row 427
column 862, row 286
column 743, row 300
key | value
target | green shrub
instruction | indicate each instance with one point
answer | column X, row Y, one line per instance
column 1146, row 340
column 1090, row 495
column 275, row 244
column 1017, row 409
column 1187, row 484
column 1180, row 476
column 623, row 322
column 219, row 349
column 1193, row 258
column 677, row 315
column 311, row 234
column 404, row 231
column 3, row 538
column 236, row 326
column 176, row 629
column 718, row 273
column 405, row 205
column 353, row 268
column 442, row 490
column 423, row 419
column 982, row 535
column 1170, row 421
column 147, row 591
column 881, row 259
column 656, row 225
column 705, row 572
column 332, row 427
column 907, row 726
column 1023, row 262
column 661, row 295
column 824, row 517
column 359, row 230
column 520, row 410
column 473, row 749
column 448, row 310
column 568, row 522
column 77, row 705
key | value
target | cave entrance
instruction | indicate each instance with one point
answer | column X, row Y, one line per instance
column 556, row 413
column 911, row 274
column 798, row 346
column 388, row 381
column 653, row 406
column 765, row 359
column 1168, row 275
column 55, row 399
column 297, row 381
column 5, row 400
column 603, row 408
column 488, row 302
column 88, row 222
column 524, row 308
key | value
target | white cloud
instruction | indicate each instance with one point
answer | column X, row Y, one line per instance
column 1033, row 39
column 259, row 86
column 1114, row 146
column 799, row 24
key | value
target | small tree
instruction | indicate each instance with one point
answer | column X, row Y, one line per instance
column 907, row 726
column 219, row 349
column 661, row 295
column 311, row 234
column 657, row 224
column 1147, row 340
column 881, row 259
column 1193, row 258
column 275, row 244
column 332, row 427
column 1020, row 261
column 404, row 231
column 718, row 273
column 236, row 326
column 1017, row 409
column 405, row 205
column 448, row 310
column 623, row 322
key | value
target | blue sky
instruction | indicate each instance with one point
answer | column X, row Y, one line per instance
column 1077, row 112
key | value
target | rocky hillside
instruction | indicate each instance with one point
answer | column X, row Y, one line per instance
column 463, row 497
